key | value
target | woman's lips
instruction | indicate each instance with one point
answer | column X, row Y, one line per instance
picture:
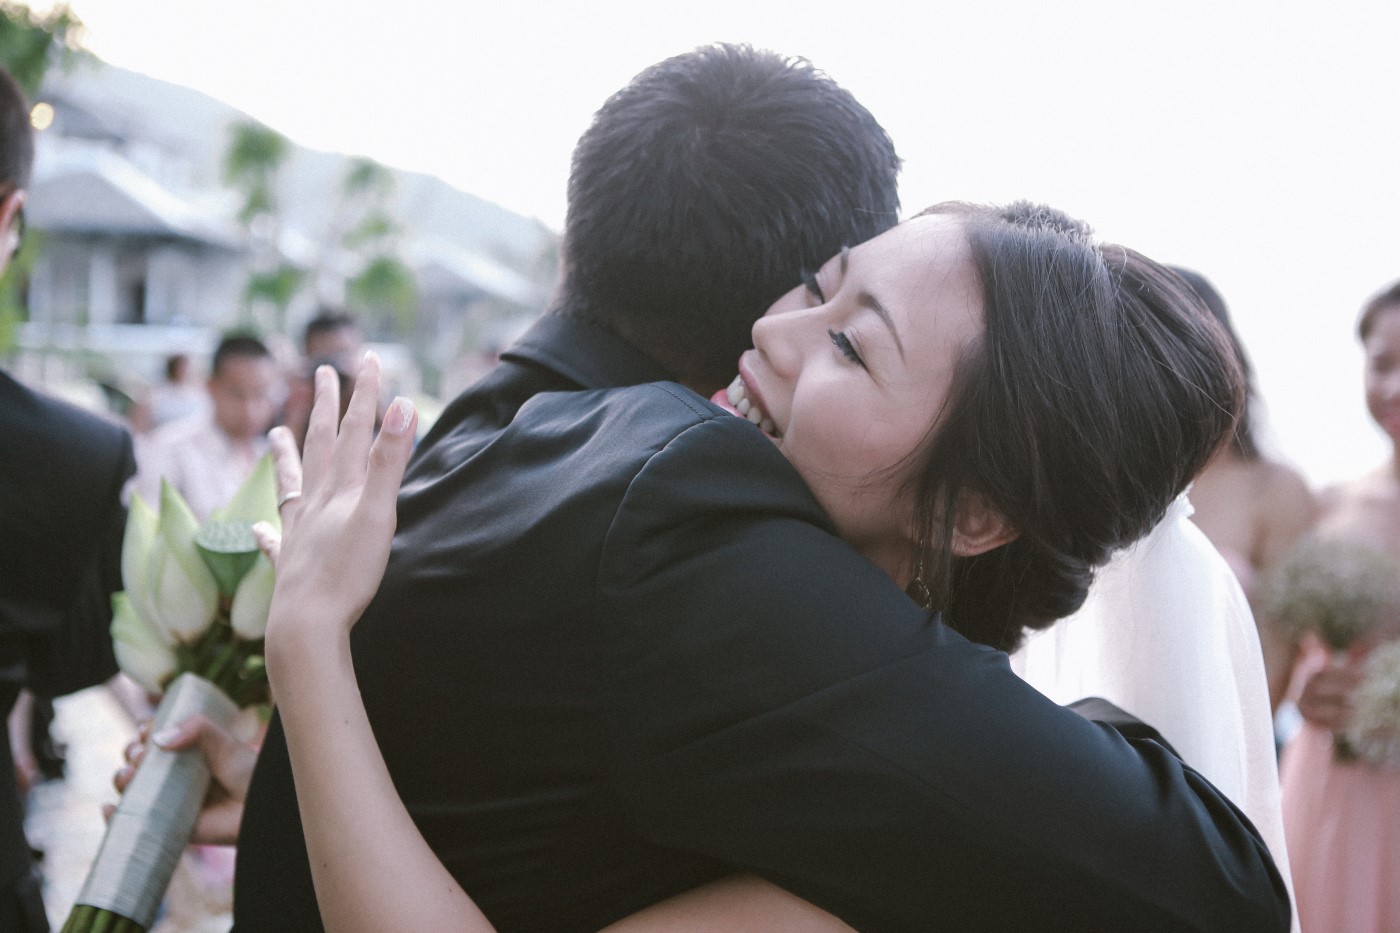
column 737, row 399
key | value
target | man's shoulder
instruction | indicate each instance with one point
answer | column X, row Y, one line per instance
column 612, row 426
column 28, row 414
column 652, row 408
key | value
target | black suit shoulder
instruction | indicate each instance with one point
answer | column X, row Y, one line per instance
column 62, row 478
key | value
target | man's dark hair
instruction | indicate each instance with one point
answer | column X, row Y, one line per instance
column 1387, row 299
column 702, row 191
column 237, row 346
column 326, row 321
column 1101, row 387
column 16, row 135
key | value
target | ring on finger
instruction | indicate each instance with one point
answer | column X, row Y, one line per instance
column 288, row 497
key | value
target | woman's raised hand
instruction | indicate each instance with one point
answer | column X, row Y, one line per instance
column 338, row 506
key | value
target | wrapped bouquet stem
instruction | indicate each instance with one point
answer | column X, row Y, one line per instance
column 188, row 625
column 153, row 822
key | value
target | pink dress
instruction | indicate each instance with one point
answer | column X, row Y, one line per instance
column 1342, row 824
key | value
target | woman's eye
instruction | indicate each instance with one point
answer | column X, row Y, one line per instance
column 810, row 281
column 848, row 349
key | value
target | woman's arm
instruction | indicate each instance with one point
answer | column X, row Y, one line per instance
column 737, row 904
column 371, row 867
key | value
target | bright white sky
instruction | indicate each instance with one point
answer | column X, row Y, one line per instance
column 1254, row 140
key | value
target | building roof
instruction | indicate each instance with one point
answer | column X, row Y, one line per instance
column 93, row 190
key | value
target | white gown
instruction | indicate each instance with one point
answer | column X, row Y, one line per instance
column 1167, row 635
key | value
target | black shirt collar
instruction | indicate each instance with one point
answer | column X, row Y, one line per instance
column 584, row 352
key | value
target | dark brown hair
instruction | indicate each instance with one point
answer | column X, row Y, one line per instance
column 1384, row 300
column 1243, row 441
column 1101, row 387
column 16, row 134
column 704, row 189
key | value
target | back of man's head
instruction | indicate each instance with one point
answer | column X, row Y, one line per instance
column 330, row 333
column 16, row 136
column 704, row 189
column 237, row 345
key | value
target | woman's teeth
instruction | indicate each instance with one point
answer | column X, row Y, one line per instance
column 738, row 394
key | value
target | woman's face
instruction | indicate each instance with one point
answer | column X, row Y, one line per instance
column 1383, row 372
column 849, row 373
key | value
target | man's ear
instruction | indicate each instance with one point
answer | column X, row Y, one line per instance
column 978, row 526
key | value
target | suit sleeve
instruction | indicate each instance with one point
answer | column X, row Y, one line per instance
column 777, row 703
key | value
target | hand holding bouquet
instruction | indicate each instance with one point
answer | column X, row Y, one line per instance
column 190, row 625
column 1346, row 594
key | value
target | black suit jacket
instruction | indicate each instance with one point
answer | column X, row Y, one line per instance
column 61, row 520
column 619, row 650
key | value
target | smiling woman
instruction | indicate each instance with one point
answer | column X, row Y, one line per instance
column 853, row 368
column 988, row 403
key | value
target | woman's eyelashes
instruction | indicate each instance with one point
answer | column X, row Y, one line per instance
column 848, row 349
column 809, row 280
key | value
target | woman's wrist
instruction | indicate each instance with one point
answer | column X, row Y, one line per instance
column 302, row 641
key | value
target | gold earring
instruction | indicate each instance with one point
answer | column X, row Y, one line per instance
column 918, row 590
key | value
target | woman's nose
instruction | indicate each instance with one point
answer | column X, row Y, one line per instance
column 783, row 335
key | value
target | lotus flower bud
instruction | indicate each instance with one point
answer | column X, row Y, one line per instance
column 140, row 651
column 250, row 604
column 184, row 596
column 256, row 499
column 137, row 542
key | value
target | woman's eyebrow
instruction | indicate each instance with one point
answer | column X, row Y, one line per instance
column 866, row 300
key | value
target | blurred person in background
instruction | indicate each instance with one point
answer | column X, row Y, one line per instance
column 1253, row 509
column 331, row 337
column 62, row 472
column 180, row 395
column 1342, row 817
column 207, row 458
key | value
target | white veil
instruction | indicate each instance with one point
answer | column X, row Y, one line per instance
column 1167, row 635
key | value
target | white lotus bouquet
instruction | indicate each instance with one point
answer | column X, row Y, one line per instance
column 190, row 626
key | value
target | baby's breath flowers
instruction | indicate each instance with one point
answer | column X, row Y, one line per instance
column 1374, row 731
column 1343, row 593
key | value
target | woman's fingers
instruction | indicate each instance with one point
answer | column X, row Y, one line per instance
column 269, row 541
column 286, row 467
column 322, row 428
column 389, row 456
column 357, row 427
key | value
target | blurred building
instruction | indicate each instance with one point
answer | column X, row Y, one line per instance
column 142, row 254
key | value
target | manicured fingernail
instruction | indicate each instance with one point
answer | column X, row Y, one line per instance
column 165, row 736
column 397, row 418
